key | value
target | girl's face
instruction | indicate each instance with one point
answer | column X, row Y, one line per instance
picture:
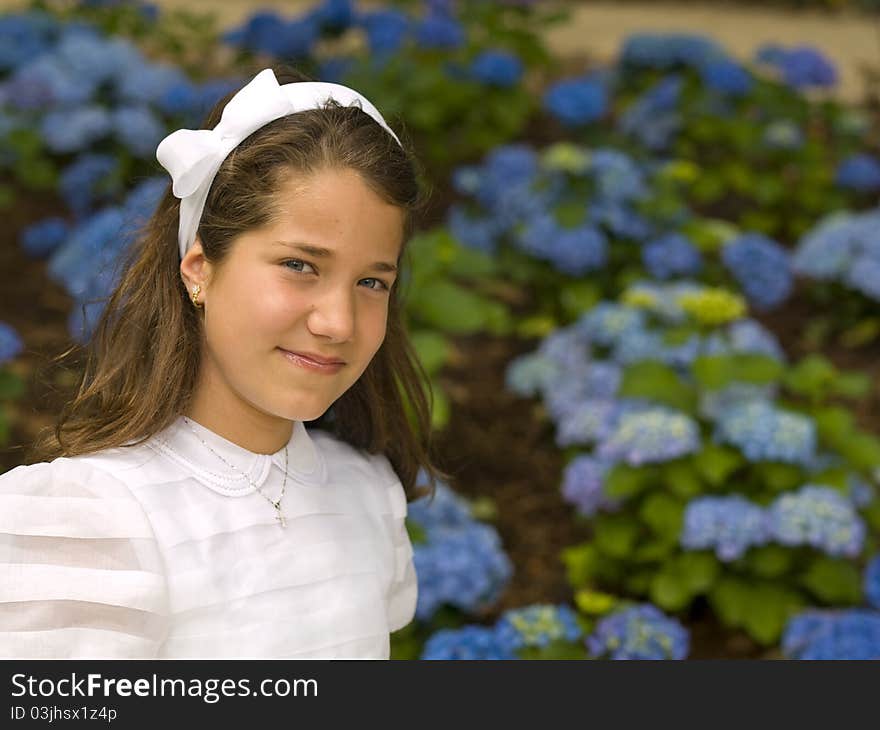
column 269, row 296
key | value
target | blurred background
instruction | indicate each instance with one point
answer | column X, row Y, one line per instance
column 645, row 292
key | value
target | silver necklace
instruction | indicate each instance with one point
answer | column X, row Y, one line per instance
column 276, row 505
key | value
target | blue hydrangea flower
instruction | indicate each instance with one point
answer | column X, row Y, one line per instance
column 386, row 30
column 671, row 255
column 619, row 218
column 639, row 632
column 714, row 403
column 806, row 66
column 467, row 643
column 727, row 525
column 445, row 509
column 24, row 37
column 761, row 267
column 439, row 31
column 607, row 322
column 267, row 32
column 818, row 516
column 583, row 480
column 464, row 567
column 749, row 336
column 727, row 76
column 618, row 177
column 531, row 374
column 46, row 83
column 852, row 634
column 537, row 626
column 576, row 102
column 148, row 83
column 497, row 68
column 73, row 130
column 333, row 15
column 40, row 239
column 872, row 582
column 567, row 348
column 860, row 173
column 668, row 50
column 94, row 243
column 10, row 343
column 574, row 251
column 582, row 422
column 143, row 198
column 764, row 433
column 827, row 251
column 638, row 345
column 480, row 233
column 89, row 179
column 653, row 118
column 462, row 562
column 651, row 435
column 138, row 129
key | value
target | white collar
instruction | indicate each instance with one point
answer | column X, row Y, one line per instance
column 180, row 443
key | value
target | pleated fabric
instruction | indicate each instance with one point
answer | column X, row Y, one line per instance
column 155, row 551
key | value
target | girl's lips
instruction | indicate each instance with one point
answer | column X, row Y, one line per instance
column 308, row 364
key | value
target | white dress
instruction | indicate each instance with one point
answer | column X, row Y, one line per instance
column 163, row 551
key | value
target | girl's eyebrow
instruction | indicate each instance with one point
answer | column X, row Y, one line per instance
column 319, row 252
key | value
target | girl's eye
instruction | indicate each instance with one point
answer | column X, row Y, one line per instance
column 295, row 261
column 380, row 284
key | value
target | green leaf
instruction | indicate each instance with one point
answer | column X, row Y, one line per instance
column 623, row 480
column 657, row 382
column 811, row 376
column 761, row 608
column 851, row 385
column 833, row 580
column 862, row 450
column 769, row 561
column 680, row 476
column 433, row 349
column 581, row 564
column 717, row 371
column 616, row 535
column 669, row 591
column 683, row 578
column 779, row 477
column 576, row 297
column 11, row 385
column 834, row 424
column 715, row 463
column 663, row 514
column 449, row 307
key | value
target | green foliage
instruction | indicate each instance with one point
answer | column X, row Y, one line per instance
column 657, row 382
column 714, row 372
column 761, row 608
column 833, row 581
column 682, row 578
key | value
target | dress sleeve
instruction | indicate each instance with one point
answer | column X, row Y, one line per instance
column 403, row 593
column 81, row 574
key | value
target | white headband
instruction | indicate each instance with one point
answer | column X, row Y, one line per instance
column 192, row 157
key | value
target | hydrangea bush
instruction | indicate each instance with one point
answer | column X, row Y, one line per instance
column 543, row 631
column 585, row 211
column 706, row 464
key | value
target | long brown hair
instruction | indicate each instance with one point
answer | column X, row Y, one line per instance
column 142, row 361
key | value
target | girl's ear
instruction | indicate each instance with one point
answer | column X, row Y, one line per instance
column 194, row 267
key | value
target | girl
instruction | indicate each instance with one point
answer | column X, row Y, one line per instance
column 179, row 507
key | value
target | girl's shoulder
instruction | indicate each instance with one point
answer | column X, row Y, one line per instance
column 70, row 497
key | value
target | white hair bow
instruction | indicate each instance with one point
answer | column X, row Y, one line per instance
column 193, row 156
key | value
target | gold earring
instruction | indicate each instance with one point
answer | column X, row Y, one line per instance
column 195, row 295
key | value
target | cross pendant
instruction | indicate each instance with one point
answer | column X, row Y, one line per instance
column 280, row 516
